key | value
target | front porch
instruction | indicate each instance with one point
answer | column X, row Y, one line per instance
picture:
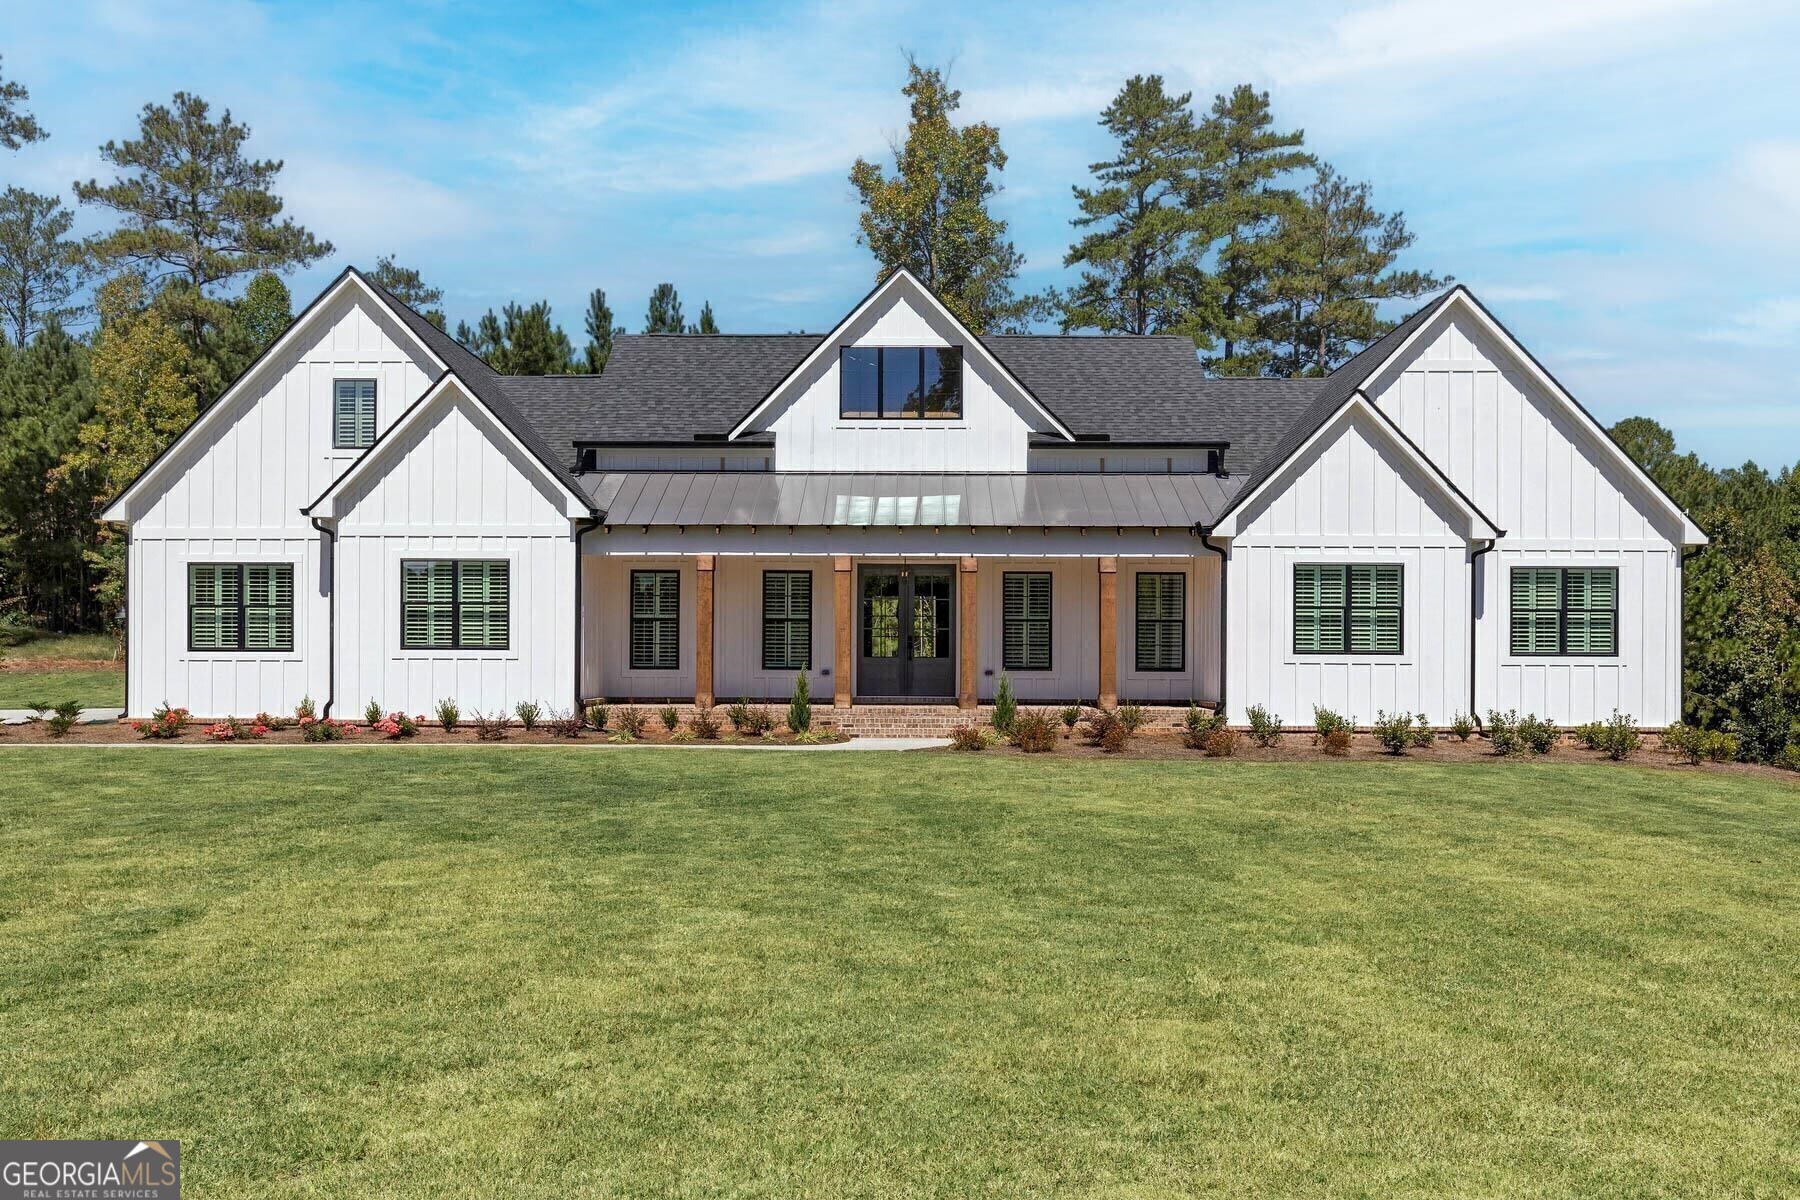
column 898, row 643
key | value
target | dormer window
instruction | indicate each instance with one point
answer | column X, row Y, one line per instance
column 900, row 382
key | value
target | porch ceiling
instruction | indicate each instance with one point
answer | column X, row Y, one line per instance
column 970, row 500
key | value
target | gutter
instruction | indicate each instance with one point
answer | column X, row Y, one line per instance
column 330, row 623
column 1204, row 533
column 584, row 527
column 1474, row 645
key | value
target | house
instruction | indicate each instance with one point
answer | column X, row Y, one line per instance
column 902, row 511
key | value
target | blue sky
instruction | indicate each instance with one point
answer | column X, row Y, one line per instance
column 1618, row 179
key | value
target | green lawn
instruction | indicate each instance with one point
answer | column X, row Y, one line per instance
column 22, row 643
column 417, row 971
column 91, row 689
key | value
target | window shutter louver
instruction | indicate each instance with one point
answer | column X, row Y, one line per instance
column 353, row 414
column 1025, row 621
column 1161, row 621
column 1565, row 610
column 1356, row 608
column 240, row 606
column 655, row 620
column 787, row 620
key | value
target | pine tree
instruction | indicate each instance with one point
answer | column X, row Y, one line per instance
column 196, row 212
column 40, row 267
column 410, row 288
column 1334, row 263
column 707, row 325
column 46, row 531
column 600, row 330
column 143, row 390
column 1142, row 261
column 264, row 313
column 16, row 125
column 521, row 341
column 1242, row 201
column 664, row 312
column 931, row 215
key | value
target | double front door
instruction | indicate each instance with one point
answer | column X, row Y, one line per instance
column 906, row 632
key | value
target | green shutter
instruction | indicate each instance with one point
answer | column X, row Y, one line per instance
column 787, row 620
column 1320, row 590
column 1161, row 621
column 213, row 599
column 483, row 604
column 353, row 414
column 1377, row 600
column 1592, row 597
column 1565, row 610
column 1025, row 621
column 268, row 606
column 427, row 598
column 655, row 620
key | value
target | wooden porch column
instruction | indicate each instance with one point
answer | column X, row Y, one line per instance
column 842, row 630
column 1109, row 633
column 703, row 632
column 968, row 634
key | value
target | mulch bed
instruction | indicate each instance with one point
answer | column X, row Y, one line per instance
column 1298, row 747
column 112, row 732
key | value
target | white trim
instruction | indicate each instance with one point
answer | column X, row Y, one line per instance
column 1585, row 561
column 1409, row 562
column 575, row 505
column 398, row 651
column 186, row 654
column 1691, row 534
column 829, row 344
column 119, row 509
column 1477, row 527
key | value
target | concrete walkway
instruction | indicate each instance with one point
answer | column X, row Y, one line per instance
column 89, row 716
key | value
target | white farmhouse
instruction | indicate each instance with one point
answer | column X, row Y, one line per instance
column 901, row 510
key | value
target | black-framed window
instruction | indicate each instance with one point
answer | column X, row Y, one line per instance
column 1571, row 611
column 1025, row 620
column 655, row 620
column 1161, row 621
column 455, row 604
column 787, row 621
column 353, row 414
column 1349, row 608
column 241, row 606
column 911, row 382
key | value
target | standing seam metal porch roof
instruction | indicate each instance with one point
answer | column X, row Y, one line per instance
column 1068, row 500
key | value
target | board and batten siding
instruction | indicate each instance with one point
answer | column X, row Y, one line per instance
column 235, row 495
column 452, row 487
column 810, row 435
column 1531, row 466
column 1349, row 499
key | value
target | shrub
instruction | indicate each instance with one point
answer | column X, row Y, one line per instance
column 1071, row 717
column 682, row 735
column 1695, row 744
column 631, row 721
column 1034, row 731
column 739, row 714
column 620, row 736
column 1423, row 735
column 1006, row 707
column 303, row 711
column 397, row 725
column 164, row 723
column 1131, row 716
column 811, row 737
column 1395, row 732
column 277, row 724
column 758, row 721
column 1221, row 742
column 671, row 720
column 38, row 708
column 704, row 724
column 1115, row 737
column 1790, row 753
column 448, row 715
column 1538, row 736
column 1462, row 727
column 1618, row 737
column 491, row 727
column 1198, row 725
column 968, row 737
column 1589, row 736
column 327, row 730
column 529, row 713
column 1265, row 727
column 567, row 724
column 66, row 714
column 1337, row 741
column 1103, row 724
column 596, row 714
column 1326, row 722
column 799, row 714
column 373, row 712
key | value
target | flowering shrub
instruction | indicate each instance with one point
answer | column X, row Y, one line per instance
column 233, row 729
column 270, row 722
column 398, row 725
column 164, row 723
column 327, row 730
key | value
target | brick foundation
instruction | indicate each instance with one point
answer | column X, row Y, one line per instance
column 906, row 720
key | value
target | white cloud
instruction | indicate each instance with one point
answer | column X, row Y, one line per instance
column 1517, row 293
column 370, row 208
column 1773, row 322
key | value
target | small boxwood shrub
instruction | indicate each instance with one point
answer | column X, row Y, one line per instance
column 1395, row 733
column 1327, row 722
column 1071, row 717
column 1265, row 726
column 1711, row 745
column 1198, row 725
column 1618, row 737
column 1462, row 727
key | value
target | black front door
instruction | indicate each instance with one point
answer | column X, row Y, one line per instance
column 906, row 632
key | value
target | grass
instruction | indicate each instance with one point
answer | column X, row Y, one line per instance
column 17, row 643
column 530, row 972
column 91, row 689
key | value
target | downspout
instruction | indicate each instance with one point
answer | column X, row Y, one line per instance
column 1205, row 536
column 330, row 622
column 1474, row 599
column 584, row 527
